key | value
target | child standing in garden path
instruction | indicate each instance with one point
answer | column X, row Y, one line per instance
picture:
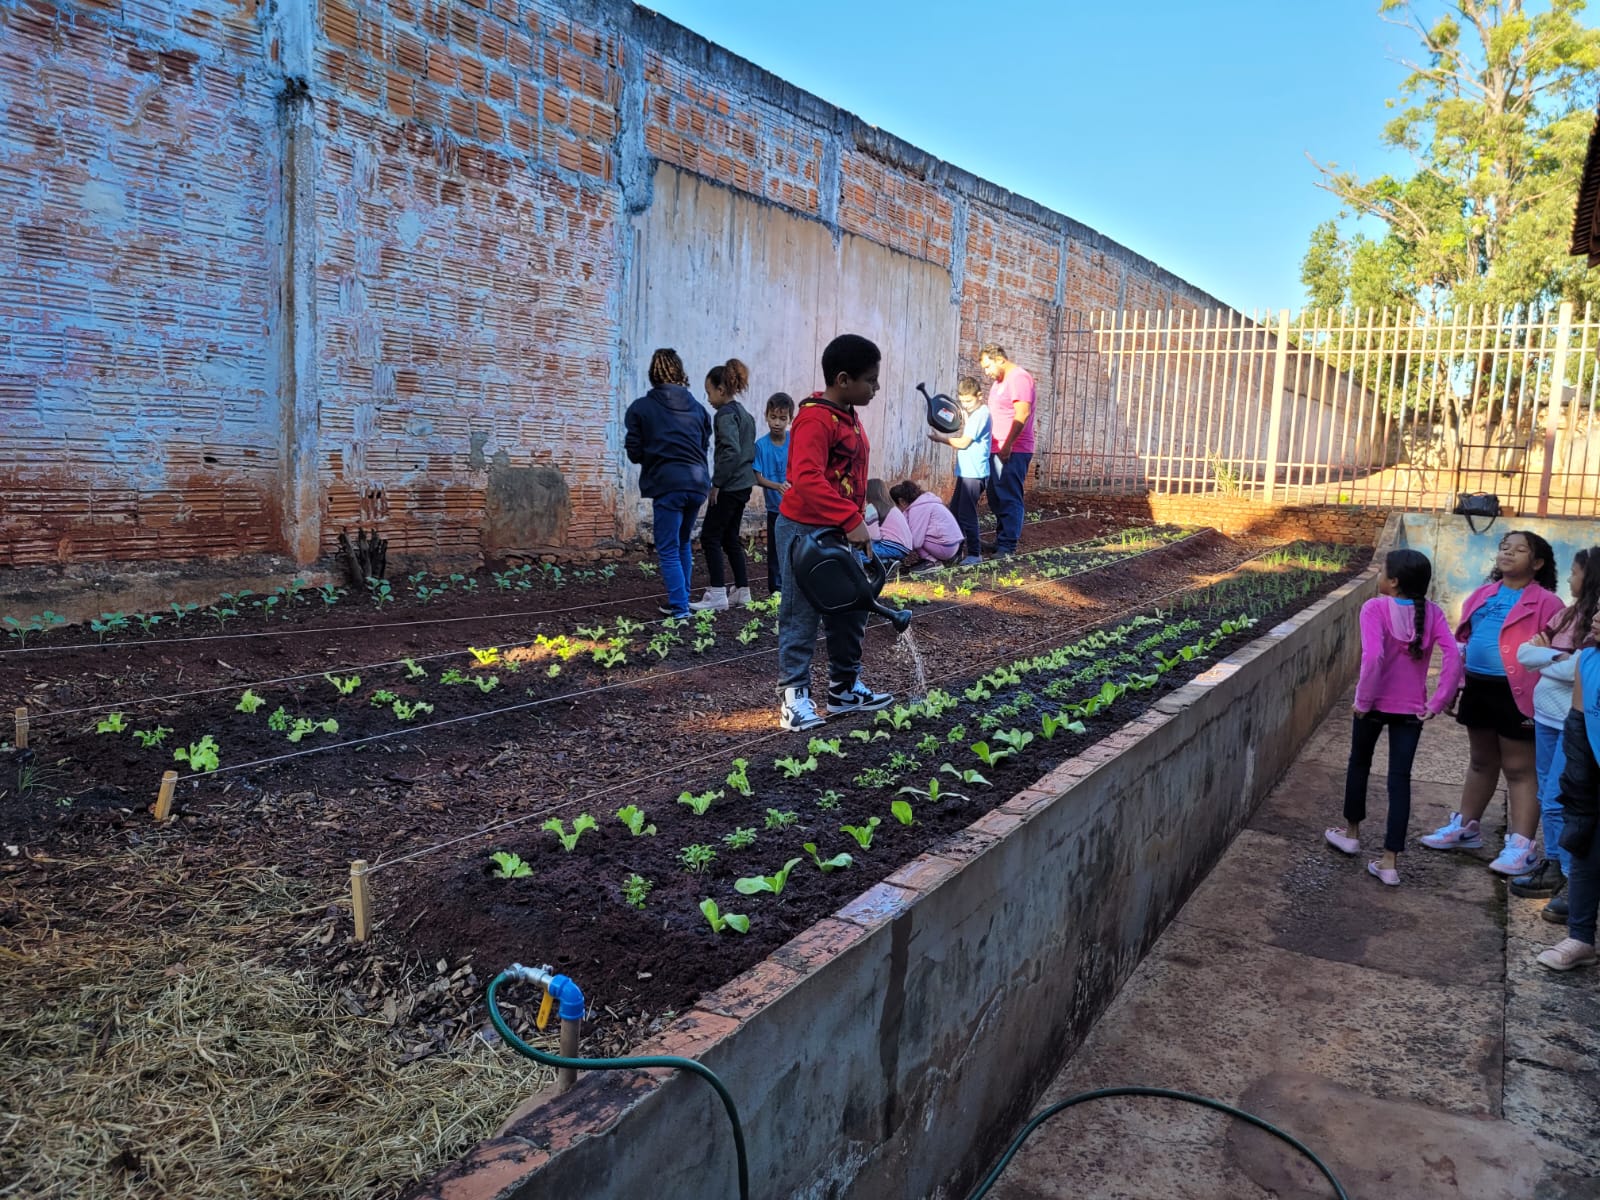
column 772, row 476
column 1497, row 700
column 1580, row 801
column 733, row 476
column 1400, row 628
column 972, row 463
column 667, row 434
column 828, row 455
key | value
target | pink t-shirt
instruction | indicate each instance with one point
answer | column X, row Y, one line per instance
column 1003, row 397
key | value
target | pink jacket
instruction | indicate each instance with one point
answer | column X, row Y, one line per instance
column 891, row 527
column 934, row 532
column 1534, row 609
column 1391, row 680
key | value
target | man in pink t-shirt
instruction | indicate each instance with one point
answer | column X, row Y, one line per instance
column 1011, row 416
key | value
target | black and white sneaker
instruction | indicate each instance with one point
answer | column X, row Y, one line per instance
column 798, row 713
column 858, row 697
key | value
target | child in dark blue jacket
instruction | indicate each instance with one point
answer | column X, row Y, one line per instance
column 668, row 434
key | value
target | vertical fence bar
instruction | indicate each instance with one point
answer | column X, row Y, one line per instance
column 1280, row 363
column 1558, row 379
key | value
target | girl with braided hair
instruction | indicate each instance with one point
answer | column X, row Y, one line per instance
column 1400, row 628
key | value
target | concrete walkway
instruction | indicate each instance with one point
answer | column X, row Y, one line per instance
column 1404, row 1034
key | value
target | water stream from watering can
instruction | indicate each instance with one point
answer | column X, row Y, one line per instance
column 907, row 642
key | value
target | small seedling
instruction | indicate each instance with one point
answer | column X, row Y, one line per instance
column 991, row 757
column 180, row 611
column 110, row 724
column 1060, row 721
column 594, row 633
column 740, row 838
column 933, row 793
column 869, row 735
column 581, row 824
column 634, row 890
column 929, row 744
column 900, row 810
column 829, row 800
column 793, row 768
column 837, row 863
column 632, row 816
column 380, row 591
column 406, row 712
column 781, row 820
column 412, row 670
column 486, row 658
column 509, row 866
column 957, row 735
column 484, row 684
column 279, row 720
column 863, row 833
column 249, row 702
column 330, row 594
column 305, row 725
column 1017, row 739
column 647, row 569
column 967, row 775
column 898, row 717
column 610, row 656
column 553, row 670
column 627, row 627
column 752, row 885
column 978, row 692
column 151, row 737
column 383, row 697
column 825, row 746
column 750, row 632
column 698, row 803
column 737, row 922
column 344, row 684
column 697, row 857
column 147, row 622
column 201, row 756
column 108, row 623
column 738, row 778
column 453, row 675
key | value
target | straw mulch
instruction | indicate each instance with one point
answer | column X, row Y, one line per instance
column 156, row 1040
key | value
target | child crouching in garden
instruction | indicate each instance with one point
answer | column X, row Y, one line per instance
column 1400, row 627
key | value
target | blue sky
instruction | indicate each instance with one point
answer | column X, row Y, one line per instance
column 1178, row 127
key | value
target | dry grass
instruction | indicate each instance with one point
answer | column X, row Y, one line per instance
column 154, row 1043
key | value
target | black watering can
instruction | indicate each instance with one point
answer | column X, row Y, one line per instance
column 830, row 573
column 944, row 414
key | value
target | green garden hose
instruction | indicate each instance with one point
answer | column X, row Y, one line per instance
column 619, row 1064
column 1107, row 1093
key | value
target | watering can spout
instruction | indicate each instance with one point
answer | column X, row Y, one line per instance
column 900, row 618
column 835, row 580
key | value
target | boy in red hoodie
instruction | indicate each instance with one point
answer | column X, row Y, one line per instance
column 827, row 489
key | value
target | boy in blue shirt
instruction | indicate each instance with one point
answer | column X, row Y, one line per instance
column 772, row 475
column 972, row 446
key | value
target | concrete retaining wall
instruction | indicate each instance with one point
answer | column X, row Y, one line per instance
column 893, row 1047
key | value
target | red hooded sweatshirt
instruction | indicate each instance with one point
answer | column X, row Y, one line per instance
column 827, row 466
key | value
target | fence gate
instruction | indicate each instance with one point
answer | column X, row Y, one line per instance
column 1380, row 407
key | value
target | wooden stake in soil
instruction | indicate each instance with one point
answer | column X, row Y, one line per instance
column 571, row 1041
column 169, row 780
column 358, row 897
column 21, row 740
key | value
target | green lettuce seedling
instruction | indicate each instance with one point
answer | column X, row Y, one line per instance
column 829, row 799
column 279, row 720
column 1060, row 721
column 305, row 725
column 863, row 833
column 509, row 866
column 632, row 816
column 751, row 885
column 485, row 685
column 737, row 922
column 738, row 779
column 486, row 658
column 453, row 675
column 900, row 810
column 781, row 820
column 933, row 793
column 405, row 711
column 412, row 670
column 699, row 803
column 793, row 768
column 249, row 702
column 825, row 746
column 967, row 775
column 740, row 838
column 382, row 698
column 344, row 684
column 581, row 824
column 635, row 888
column 837, row 863
column 990, row 757
column 869, row 735
column 610, row 656
column 110, row 724
column 201, row 756
column 1017, row 739
column 152, row 737
column 697, row 857
column 898, row 717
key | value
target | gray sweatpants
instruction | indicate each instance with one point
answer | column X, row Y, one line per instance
column 797, row 625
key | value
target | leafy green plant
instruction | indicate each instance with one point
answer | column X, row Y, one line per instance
column 148, row 738
column 108, row 623
column 740, row 839
column 632, row 816
column 929, row 744
column 484, row 683
column 305, row 725
column 201, row 756
column 486, row 657
column 869, row 735
column 957, row 734
column 279, row 720
column 581, row 824
column 249, row 702
column 413, row 671
column 380, row 591
column 330, row 594
column 553, row 670
column 901, row 761
column 900, row 810
column 509, row 866
column 793, row 768
column 837, row 863
column 1050, row 725
column 990, row 757
column 453, row 675
column 704, row 642
column 781, row 820
column 898, row 717
column 829, row 799
column 752, row 885
column 750, row 632
column 406, row 712
column 933, row 793
column 113, row 723
column 39, row 623
column 382, row 698
column 593, row 633
column 719, row 920
column 343, row 684
column 863, row 833
column 610, row 656
column 147, row 622
column 1017, row 739
column 634, row 890
column 978, row 691
column 875, row 777
column 698, row 803
column 697, row 857
column 646, row 569
column 221, row 614
column 825, row 746
column 739, row 778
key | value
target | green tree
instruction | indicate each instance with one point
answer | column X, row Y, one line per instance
column 1496, row 111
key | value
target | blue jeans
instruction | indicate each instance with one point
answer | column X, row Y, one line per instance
column 1550, row 758
column 798, row 621
column 1005, row 499
column 1405, row 731
column 674, row 516
column 964, row 506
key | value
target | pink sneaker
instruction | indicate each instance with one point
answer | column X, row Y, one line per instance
column 1455, row 834
column 1518, row 858
column 1386, row 875
column 1341, row 842
column 1568, row 953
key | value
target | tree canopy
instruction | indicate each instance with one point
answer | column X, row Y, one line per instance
column 1496, row 112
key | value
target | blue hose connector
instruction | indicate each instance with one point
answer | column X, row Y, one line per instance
column 569, row 996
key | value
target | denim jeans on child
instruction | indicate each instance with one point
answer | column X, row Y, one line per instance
column 774, row 570
column 1405, row 731
column 798, row 621
column 1006, row 500
column 1550, row 758
column 674, row 515
column 964, row 507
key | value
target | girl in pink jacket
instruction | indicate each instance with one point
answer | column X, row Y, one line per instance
column 1497, row 701
column 935, row 536
column 1400, row 628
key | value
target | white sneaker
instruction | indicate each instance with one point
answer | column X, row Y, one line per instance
column 738, row 595
column 1454, row 835
column 798, row 712
column 1568, row 953
column 715, row 599
column 1518, row 858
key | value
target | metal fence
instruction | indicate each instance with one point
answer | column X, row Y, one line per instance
column 1382, row 407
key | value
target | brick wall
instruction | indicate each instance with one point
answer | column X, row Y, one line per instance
column 277, row 269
